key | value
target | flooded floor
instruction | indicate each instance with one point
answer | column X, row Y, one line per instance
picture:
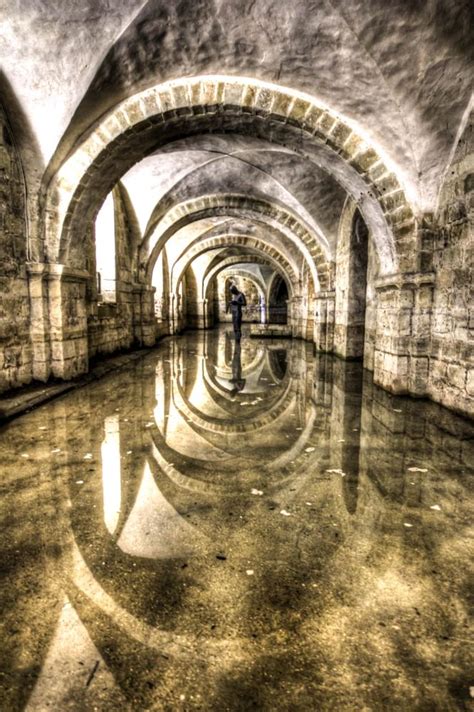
column 235, row 528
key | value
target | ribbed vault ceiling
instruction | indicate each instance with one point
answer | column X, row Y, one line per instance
column 400, row 70
column 224, row 164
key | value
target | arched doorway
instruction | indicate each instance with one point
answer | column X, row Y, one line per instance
column 278, row 301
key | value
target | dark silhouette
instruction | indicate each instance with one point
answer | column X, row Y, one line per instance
column 235, row 305
column 237, row 380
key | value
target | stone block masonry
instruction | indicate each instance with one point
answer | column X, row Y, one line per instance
column 451, row 380
column 16, row 354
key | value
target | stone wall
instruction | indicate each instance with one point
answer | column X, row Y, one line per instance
column 15, row 347
column 452, row 348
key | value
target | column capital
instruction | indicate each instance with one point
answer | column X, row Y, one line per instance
column 54, row 270
column 404, row 280
column 328, row 294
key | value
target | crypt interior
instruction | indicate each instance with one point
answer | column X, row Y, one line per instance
column 193, row 521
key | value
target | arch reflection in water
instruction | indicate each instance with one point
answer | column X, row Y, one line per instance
column 260, row 527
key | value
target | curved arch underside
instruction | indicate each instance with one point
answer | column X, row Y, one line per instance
column 244, row 150
column 167, row 112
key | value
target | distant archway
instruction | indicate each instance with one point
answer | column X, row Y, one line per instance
column 278, row 301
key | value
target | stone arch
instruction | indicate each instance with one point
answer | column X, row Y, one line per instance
column 247, row 274
column 257, row 245
column 194, row 105
column 208, row 206
column 272, row 242
column 253, row 287
column 267, row 250
column 252, row 259
column 351, row 285
column 172, row 198
column 215, row 425
column 278, row 313
column 242, row 259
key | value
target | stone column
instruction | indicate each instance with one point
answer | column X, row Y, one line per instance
column 208, row 321
column 39, row 321
column 172, row 315
column 144, row 322
column 59, row 320
column 162, row 315
column 67, row 320
column 176, row 312
column 403, row 328
column 323, row 333
column 199, row 319
column 295, row 316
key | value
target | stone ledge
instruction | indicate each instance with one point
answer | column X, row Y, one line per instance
column 271, row 330
column 404, row 279
column 16, row 403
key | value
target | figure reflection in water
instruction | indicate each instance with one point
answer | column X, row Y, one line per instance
column 235, row 305
column 237, row 380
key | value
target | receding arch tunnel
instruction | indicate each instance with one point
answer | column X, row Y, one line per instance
column 236, row 379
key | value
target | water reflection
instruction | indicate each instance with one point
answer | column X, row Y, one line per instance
column 235, row 523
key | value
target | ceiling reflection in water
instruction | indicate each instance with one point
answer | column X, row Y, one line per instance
column 224, row 520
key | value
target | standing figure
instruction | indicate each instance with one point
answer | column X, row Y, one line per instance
column 235, row 305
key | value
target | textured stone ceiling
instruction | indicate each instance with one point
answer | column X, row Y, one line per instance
column 204, row 230
column 400, row 70
column 220, row 164
column 50, row 52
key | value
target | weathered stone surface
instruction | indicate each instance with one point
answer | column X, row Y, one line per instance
column 15, row 350
column 286, row 142
column 453, row 303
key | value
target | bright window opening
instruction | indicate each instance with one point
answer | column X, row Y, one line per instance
column 105, row 251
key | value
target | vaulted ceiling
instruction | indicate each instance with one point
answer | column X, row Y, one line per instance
column 398, row 71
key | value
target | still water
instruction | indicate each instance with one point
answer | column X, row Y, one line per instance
column 225, row 527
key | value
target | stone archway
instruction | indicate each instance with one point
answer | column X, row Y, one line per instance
column 194, row 106
column 235, row 205
column 277, row 300
column 258, row 251
column 187, row 106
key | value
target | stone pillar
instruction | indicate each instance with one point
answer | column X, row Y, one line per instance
column 323, row 333
column 39, row 321
column 295, row 316
column 208, row 320
column 58, row 321
column 144, row 323
column 162, row 315
column 67, row 320
column 309, row 319
column 350, row 282
column 176, row 312
column 172, row 316
column 403, row 329
column 198, row 320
